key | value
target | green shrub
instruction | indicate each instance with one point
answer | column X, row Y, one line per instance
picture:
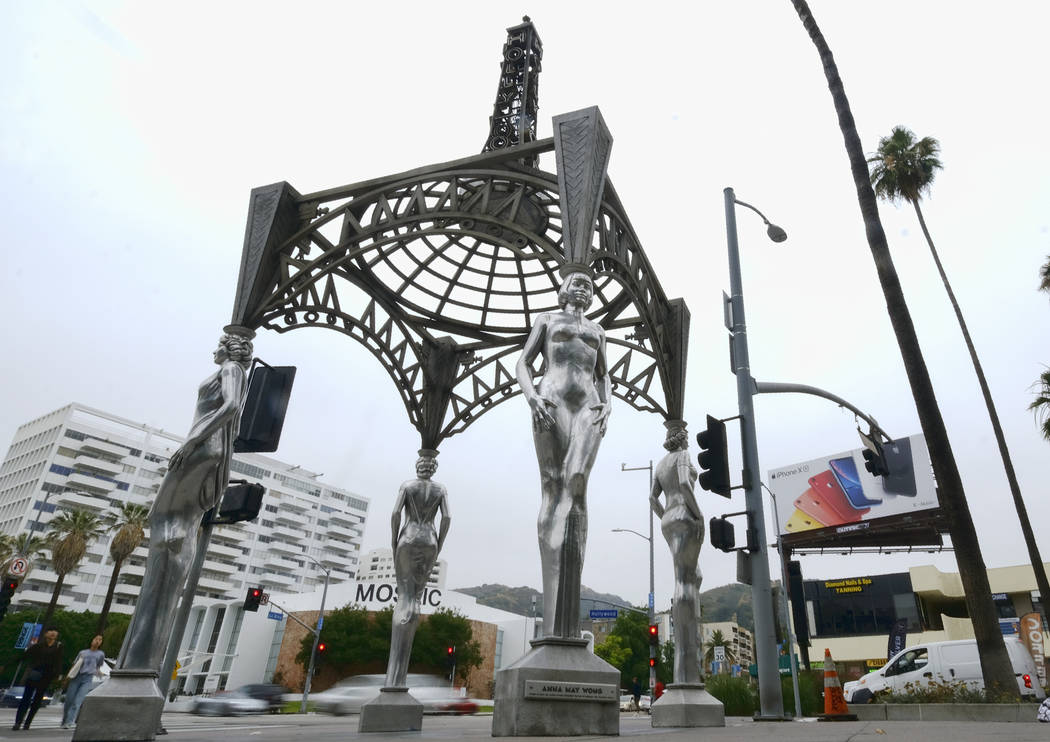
column 955, row 691
column 737, row 694
column 810, row 691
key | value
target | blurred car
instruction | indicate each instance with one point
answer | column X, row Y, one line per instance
column 13, row 696
column 229, row 703
column 627, row 703
column 348, row 696
column 272, row 693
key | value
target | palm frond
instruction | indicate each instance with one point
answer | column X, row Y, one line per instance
column 903, row 168
column 1041, row 405
column 1044, row 276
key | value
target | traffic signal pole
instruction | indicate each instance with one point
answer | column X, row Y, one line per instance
column 770, row 700
column 317, row 636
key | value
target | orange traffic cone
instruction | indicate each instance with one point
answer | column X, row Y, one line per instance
column 835, row 708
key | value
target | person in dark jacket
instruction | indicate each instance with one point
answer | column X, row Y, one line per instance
column 43, row 663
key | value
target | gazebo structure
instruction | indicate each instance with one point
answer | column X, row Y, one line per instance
column 439, row 271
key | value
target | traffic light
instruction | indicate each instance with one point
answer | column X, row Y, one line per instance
column 321, row 647
column 714, row 458
column 875, row 461
column 652, row 662
column 7, row 591
column 242, row 501
column 723, row 535
column 450, row 656
column 253, row 599
column 654, row 634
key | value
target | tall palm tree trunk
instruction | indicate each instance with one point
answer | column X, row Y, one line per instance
column 995, row 664
column 54, row 601
column 104, row 616
column 1000, row 439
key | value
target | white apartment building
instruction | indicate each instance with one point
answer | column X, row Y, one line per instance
column 378, row 566
column 739, row 642
column 79, row 457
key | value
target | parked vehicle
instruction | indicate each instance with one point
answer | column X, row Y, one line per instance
column 229, row 703
column 13, row 696
column 627, row 703
column 945, row 662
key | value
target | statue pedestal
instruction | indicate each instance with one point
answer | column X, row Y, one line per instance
column 393, row 710
column 558, row 689
column 687, row 705
column 124, row 708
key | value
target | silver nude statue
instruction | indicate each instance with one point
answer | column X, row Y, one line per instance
column 570, row 410
column 197, row 476
column 682, row 524
column 416, row 546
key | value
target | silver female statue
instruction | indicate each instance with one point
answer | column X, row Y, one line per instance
column 570, row 410
column 198, row 473
column 416, row 546
column 682, row 524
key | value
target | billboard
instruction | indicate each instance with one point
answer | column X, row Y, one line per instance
column 833, row 498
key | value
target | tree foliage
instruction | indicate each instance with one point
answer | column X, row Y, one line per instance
column 630, row 637
column 70, row 533
column 903, row 167
column 614, row 651
column 358, row 641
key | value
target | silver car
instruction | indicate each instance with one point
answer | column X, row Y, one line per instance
column 349, row 695
column 229, row 703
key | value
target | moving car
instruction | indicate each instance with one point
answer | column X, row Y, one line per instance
column 944, row 662
column 13, row 696
column 272, row 693
column 229, row 703
column 348, row 696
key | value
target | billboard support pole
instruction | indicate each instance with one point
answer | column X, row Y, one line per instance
column 769, row 387
column 787, row 611
column 771, row 701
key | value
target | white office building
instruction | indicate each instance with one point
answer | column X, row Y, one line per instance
column 378, row 566
column 79, row 457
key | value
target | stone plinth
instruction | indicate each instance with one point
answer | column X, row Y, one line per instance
column 558, row 689
column 393, row 710
column 124, row 708
column 687, row 705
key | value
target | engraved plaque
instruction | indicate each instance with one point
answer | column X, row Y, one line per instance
column 562, row 691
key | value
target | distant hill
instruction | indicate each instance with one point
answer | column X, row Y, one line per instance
column 520, row 599
column 717, row 604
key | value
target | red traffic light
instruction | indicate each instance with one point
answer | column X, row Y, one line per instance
column 11, row 585
column 256, row 592
column 322, row 647
column 451, row 650
column 654, row 630
column 652, row 662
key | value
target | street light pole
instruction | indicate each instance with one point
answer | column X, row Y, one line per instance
column 317, row 635
column 771, row 701
column 652, row 570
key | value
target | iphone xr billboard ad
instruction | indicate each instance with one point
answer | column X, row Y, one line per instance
column 837, row 491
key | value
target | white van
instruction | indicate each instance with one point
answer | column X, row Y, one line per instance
column 944, row 662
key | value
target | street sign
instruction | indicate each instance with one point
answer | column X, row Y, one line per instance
column 720, row 653
column 651, row 602
column 264, row 599
column 24, row 636
column 275, row 615
column 18, row 566
column 604, row 613
column 320, row 623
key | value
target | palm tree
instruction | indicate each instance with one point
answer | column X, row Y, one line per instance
column 7, row 551
column 903, row 170
column 130, row 523
column 718, row 640
column 1041, row 405
column 30, row 546
column 995, row 664
column 70, row 533
column 1044, row 276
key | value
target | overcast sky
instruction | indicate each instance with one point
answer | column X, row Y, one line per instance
column 132, row 133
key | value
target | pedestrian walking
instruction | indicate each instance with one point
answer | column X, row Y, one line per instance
column 43, row 664
column 86, row 668
column 636, row 691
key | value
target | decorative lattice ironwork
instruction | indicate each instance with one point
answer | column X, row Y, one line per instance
column 513, row 119
column 441, row 271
